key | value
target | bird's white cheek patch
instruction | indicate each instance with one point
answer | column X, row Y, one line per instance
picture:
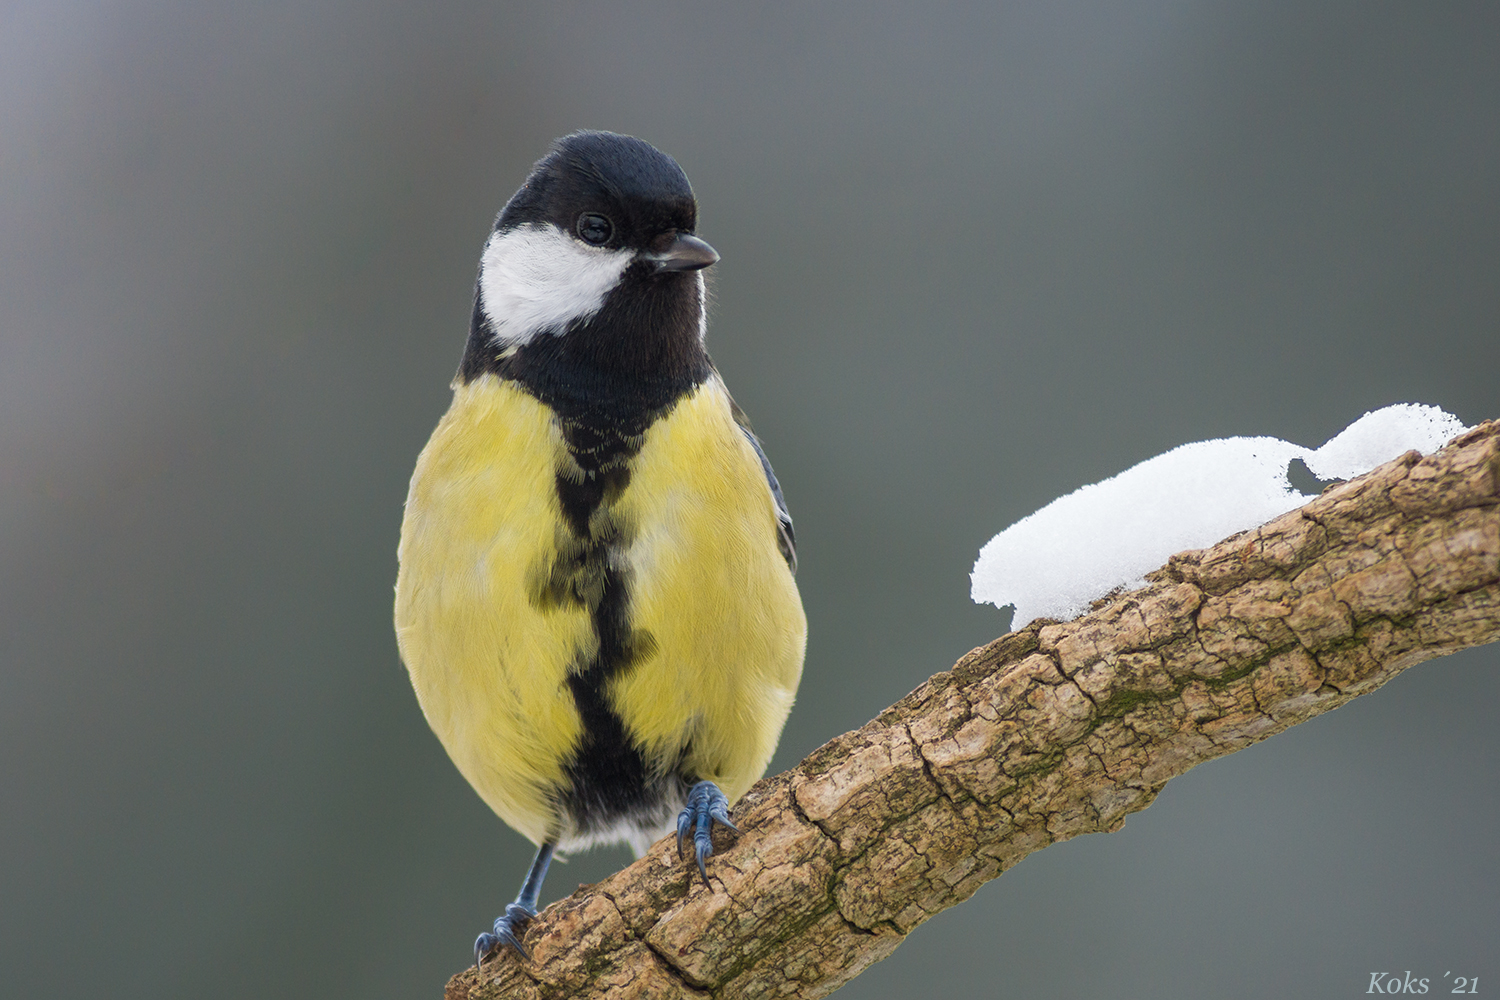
column 537, row 278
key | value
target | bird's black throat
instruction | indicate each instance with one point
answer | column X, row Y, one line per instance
column 640, row 352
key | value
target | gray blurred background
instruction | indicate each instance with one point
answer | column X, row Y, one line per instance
column 974, row 256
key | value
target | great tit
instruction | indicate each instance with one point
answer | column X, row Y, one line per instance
column 595, row 599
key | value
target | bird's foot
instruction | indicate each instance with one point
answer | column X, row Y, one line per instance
column 706, row 805
column 509, row 929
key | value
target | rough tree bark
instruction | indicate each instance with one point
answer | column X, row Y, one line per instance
column 1044, row 734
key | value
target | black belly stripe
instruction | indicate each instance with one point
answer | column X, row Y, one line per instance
column 609, row 777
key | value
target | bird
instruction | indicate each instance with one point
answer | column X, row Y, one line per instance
column 595, row 599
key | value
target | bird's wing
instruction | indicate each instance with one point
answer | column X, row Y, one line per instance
column 786, row 538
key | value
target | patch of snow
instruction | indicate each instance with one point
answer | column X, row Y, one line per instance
column 1380, row 436
column 1079, row 547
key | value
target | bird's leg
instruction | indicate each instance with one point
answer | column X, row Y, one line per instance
column 511, row 925
column 706, row 805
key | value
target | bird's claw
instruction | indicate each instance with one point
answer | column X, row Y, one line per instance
column 509, row 929
column 706, row 805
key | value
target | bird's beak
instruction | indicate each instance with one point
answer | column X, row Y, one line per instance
column 685, row 253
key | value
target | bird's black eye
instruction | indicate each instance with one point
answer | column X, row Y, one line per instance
column 595, row 229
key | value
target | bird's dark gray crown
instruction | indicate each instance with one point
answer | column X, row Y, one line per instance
column 638, row 187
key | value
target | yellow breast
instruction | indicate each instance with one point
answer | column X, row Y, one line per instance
column 704, row 579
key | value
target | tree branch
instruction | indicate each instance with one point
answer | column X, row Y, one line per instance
column 1044, row 734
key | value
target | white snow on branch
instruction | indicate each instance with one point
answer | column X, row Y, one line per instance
column 1080, row 547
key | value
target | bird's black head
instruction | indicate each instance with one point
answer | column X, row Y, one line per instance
column 593, row 264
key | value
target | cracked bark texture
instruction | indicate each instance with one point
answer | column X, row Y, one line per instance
column 1056, row 730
